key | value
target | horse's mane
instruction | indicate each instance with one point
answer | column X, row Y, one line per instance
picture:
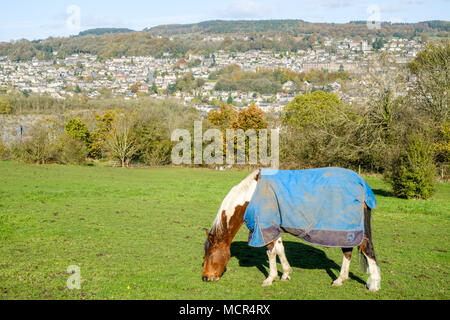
column 238, row 195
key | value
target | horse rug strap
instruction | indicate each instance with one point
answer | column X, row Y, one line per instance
column 322, row 206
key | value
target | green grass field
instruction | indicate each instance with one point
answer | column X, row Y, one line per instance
column 137, row 234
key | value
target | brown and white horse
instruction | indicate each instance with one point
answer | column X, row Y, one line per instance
column 230, row 219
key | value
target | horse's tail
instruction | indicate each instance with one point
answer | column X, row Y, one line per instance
column 367, row 245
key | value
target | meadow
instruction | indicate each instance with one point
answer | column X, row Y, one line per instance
column 138, row 234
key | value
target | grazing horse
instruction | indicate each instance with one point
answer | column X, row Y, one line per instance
column 235, row 210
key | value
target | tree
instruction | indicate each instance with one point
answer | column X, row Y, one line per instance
column 134, row 88
column 250, row 121
column 317, row 108
column 414, row 171
column 378, row 43
column 431, row 69
column 120, row 141
column 39, row 147
column 78, row 130
column 98, row 135
column 154, row 88
column 424, row 38
column 250, row 118
column 222, row 118
column 319, row 130
column 71, row 150
column 5, row 106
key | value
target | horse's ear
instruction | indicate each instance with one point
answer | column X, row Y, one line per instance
column 209, row 236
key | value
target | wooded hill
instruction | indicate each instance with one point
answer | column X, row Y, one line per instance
column 179, row 40
column 297, row 27
column 102, row 31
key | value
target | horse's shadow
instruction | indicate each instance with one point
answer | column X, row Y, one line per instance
column 383, row 193
column 298, row 254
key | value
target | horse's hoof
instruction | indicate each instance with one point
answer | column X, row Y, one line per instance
column 373, row 288
column 267, row 283
column 285, row 278
column 337, row 283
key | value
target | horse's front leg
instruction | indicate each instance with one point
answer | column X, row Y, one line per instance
column 273, row 249
column 273, row 272
column 345, row 267
column 284, row 262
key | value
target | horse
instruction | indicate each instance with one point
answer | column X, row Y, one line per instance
column 230, row 218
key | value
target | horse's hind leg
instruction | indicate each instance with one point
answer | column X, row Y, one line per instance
column 373, row 283
column 367, row 248
column 345, row 267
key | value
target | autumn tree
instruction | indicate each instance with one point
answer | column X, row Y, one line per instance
column 250, row 118
column 99, row 134
column 134, row 88
column 221, row 118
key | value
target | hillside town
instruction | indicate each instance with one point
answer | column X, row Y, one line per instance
column 129, row 77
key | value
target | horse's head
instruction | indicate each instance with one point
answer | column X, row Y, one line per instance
column 217, row 255
column 227, row 223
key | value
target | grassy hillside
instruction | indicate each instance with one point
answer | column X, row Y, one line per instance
column 137, row 234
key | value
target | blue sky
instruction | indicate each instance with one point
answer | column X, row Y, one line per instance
column 40, row 19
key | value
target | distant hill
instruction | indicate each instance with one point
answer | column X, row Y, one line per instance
column 294, row 27
column 274, row 35
column 102, row 31
column 227, row 26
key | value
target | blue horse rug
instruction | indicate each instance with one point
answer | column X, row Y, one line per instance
column 322, row 206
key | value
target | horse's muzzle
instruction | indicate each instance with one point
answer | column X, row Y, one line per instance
column 210, row 279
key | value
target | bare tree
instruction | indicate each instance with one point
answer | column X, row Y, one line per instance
column 120, row 141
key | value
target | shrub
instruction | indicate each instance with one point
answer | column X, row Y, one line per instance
column 71, row 150
column 414, row 170
column 4, row 151
column 159, row 154
column 5, row 106
column 77, row 129
column 38, row 148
